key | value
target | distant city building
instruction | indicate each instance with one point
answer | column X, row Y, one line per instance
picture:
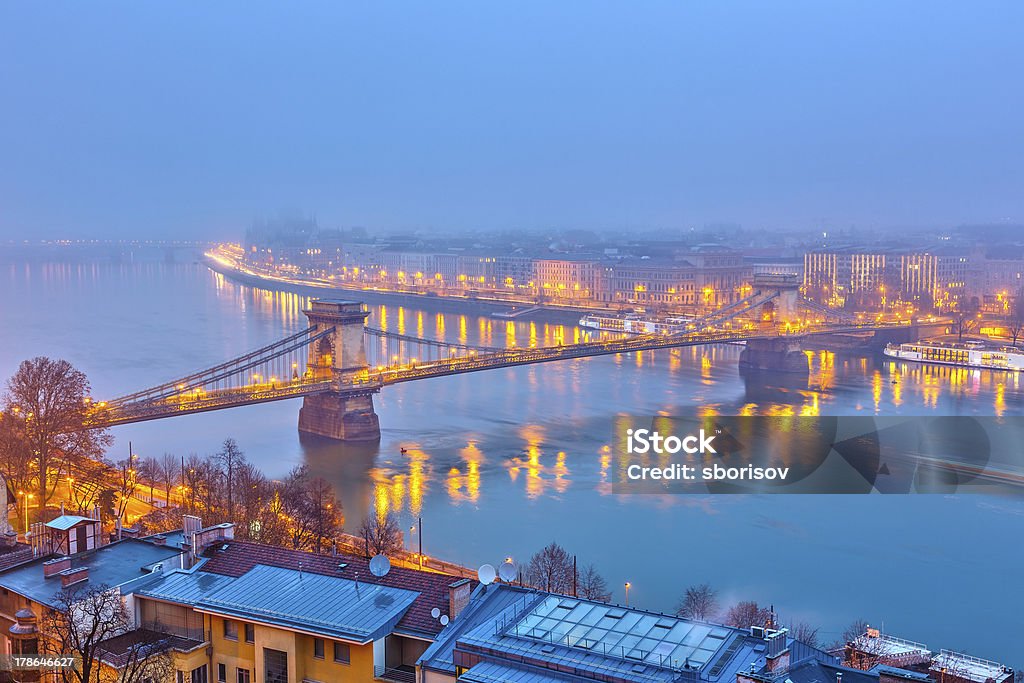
column 651, row 282
column 569, row 277
column 876, row 279
column 693, row 279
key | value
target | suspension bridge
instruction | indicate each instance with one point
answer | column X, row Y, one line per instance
column 338, row 363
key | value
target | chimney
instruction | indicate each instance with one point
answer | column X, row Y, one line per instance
column 190, row 525
column 52, row 567
column 777, row 659
column 214, row 535
column 70, row 577
column 458, row 596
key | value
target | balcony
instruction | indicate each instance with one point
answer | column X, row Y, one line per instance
column 402, row 674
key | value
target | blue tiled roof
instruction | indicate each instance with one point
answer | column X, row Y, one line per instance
column 185, row 587
column 813, row 671
column 342, row 608
column 491, row 672
column 899, row 673
column 486, row 604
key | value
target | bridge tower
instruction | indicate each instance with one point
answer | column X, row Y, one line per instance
column 777, row 355
column 346, row 411
column 785, row 279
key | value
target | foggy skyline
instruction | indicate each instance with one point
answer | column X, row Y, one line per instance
column 123, row 120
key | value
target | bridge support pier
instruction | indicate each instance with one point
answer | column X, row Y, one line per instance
column 774, row 355
column 341, row 417
column 346, row 415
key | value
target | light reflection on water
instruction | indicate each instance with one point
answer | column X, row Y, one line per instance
column 501, row 462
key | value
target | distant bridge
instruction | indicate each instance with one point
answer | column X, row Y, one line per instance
column 328, row 363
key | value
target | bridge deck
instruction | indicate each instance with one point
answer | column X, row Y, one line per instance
column 203, row 401
column 372, row 379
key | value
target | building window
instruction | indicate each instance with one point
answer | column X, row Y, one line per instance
column 242, row 676
column 275, row 666
column 198, row 675
column 318, row 648
column 250, row 633
column 230, row 630
column 342, row 655
column 222, row 673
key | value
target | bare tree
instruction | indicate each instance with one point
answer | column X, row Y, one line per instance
column 381, row 535
column 856, row 629
column 700, row 602
column 83, row 617
column 1015, row 319
column 169, row 471
column 127, row 482
column 592, row 586
column 159, row 520
column 746, row 614
column 551, row 569
column 192, row 478
column 313, row 510
column 50, row 397
column 16, row 461
column 230, row 458
column 90, row 479
column 142, row 656
column 253, row 497
column 966, row 318
column 804, row 632
column 149, row 474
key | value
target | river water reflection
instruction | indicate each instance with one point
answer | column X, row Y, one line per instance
column 501, row 462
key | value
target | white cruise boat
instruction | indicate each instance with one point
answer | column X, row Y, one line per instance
column 967, row 354
column 634, row 324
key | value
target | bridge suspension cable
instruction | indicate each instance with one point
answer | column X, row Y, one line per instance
column 224, row 370
column 373, row 331
column 826, row 311
column 745, row 305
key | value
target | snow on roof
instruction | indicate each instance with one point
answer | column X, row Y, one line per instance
column 971, row 668
column 876, row 643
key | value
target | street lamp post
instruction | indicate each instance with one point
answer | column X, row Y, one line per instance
column 28, row 498
column 628, row 585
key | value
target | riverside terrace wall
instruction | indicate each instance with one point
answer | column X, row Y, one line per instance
column 560, row 315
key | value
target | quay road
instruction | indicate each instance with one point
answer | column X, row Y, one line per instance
column 226, row 264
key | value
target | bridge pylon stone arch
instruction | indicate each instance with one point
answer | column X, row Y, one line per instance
column 345, row 412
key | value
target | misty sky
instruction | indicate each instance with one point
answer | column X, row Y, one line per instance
column 192, row 119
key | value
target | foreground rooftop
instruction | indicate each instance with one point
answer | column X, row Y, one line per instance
column 514, row 634
column 124, row 563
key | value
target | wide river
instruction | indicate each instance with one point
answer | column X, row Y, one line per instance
column 500, row 463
